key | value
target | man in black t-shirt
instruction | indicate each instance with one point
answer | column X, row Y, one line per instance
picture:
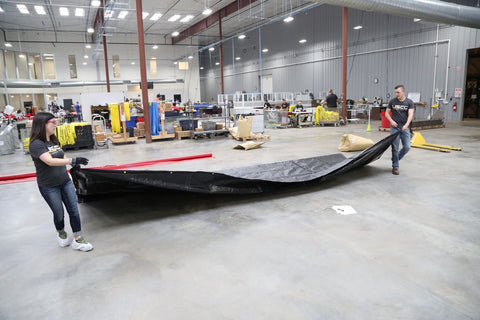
column 284, row 104
column 331, row 99
column 267, row 105
column 402, row 115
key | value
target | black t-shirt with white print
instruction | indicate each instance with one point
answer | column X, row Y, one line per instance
column 48, row 176
column 400, row 110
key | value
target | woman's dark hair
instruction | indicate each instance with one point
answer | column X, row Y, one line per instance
column 38, row 127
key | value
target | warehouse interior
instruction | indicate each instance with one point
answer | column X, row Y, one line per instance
column 190, row 87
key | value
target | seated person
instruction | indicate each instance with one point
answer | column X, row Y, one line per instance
column 174, row 107
column 267, row 105
column 284, row 105
column 299, row 106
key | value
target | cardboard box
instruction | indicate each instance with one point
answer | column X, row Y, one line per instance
column 176, row 128
column 141, row 125
column 100, row 136
column 141, row 132
column 136, row 132
column 198, row 129
column 98, row 128
column 219, row 126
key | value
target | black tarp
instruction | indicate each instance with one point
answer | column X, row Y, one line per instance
column 245, row 180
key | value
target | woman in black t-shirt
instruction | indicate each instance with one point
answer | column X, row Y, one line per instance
column 53, row 181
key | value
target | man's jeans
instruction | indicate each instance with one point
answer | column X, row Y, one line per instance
column 63, row 193
column 405, row 137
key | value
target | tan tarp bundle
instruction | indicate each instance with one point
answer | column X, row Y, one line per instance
column 244, row 128
column 350, row 142
column 249, row 145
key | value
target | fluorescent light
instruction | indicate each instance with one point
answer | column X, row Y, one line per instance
column 201, row 68
column 8, row 45
column 174, row 18
column 21, row 56
column 207, row 11
column 85, row 56
column 64, row 11
column 40, row 10
column 416, row 19
column 122, row 14
column 79, row 12
column 145, row 14
column 84, row 63
column 175, row 33
column 265, row 50
column 357, row 27
column 211, row 49
column 242, row 36
column 90, row 30
column 1, row 10
column 217, row 63
column 155, row 47
column 88, row 46
column 175, row 62
column 302, row 41
column 23, row 8
column 155, row 16
column 237, row 58
column 288, row 19
column 95, row 3
column 133, row 62
column 108, row 13
column 30, row 64
column 186, row 18
column 190, row 57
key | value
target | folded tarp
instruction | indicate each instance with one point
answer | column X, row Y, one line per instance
column 245, row 180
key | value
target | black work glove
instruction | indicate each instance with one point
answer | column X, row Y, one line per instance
column 76, row 162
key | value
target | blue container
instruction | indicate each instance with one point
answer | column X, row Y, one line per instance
column 132, row 122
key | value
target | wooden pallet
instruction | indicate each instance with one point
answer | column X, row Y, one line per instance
column 182, row 134
column 123, row 140
column 163, row 136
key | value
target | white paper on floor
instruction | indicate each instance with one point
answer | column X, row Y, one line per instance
column 344, row 209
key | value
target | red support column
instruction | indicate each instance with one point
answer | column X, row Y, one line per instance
column 143, row 71
column 221, row 51
column 344, row 64
column 105, row 56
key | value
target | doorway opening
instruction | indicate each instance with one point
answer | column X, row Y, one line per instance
column 471, row 102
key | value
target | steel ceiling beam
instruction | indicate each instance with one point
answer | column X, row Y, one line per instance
column 212, row 19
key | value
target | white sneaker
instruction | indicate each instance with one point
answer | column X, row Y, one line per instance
column 63, row 240
column 81, row 244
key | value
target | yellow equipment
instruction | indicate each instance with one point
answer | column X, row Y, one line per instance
column 418, row 141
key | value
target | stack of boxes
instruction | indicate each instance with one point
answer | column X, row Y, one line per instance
column 100, row 135
column 139, row 130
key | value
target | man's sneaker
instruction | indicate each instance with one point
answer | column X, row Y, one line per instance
column 63, row 240
column 395, row 171
column 81, row 244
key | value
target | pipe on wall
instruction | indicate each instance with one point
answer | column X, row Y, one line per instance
column 430, row 10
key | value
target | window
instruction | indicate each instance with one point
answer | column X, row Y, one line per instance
column 22, row 65
column 39, row 101
column 153, row 66
column 183, row 65
column 10, row 65
column 48, row 66
column 72, row 64
column 34, row 66
column 51, row 97
column 15, row 101
column 116, row 66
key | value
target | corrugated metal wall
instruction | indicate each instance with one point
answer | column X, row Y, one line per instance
column 316, row 65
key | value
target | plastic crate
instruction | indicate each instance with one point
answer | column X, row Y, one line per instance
column 188, row 125
column 208, row 125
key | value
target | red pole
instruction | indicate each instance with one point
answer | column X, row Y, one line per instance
column 221, row 49
column 143, row 71
column 105, row 56
column 344, row 64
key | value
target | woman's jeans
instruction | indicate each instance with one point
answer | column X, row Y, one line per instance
column 405, row 137
column 63, row 193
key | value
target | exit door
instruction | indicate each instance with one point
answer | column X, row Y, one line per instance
column 471, row 105
column 267, row 83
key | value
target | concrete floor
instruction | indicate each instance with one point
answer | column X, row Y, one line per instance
column 411, row 252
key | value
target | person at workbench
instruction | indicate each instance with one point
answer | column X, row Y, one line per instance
column 284, row 104
column 267, row 105
column 331, row 100
column 53, row 181
column 402, row 115
column 299, row 106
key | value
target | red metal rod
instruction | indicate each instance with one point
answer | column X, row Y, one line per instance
column 105, row 56
column 143, row 71
column 344, row 64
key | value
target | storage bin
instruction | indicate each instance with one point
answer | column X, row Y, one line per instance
column 188, row 124
column 208, row 125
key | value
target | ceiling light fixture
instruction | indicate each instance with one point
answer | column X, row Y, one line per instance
column 21, row 56
column 79, row 12
column 357, row 27
column 8, row 45
column 217, row 63
column 155, row 47
column 211, row 49
column 90, row 30
column 64, row 11
column 302, row 41
column 85, row 56
column 207, row 11
column 88, row 46
column 201, row 68
column 237, row 58
column 122, row 14
column 145, row 14
column 174, row 18
column 242, row 36
column 190, row 57
column 265, row 50
column 416, row 19
column 156, row 16
column 40, row 10
column 133, row 62
column 186, row 18
column 288, row 19
column 1, row 9
column 95, row 3
column 84, row 63
column 23, row 8
column 175, row 62
column 175, row 33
